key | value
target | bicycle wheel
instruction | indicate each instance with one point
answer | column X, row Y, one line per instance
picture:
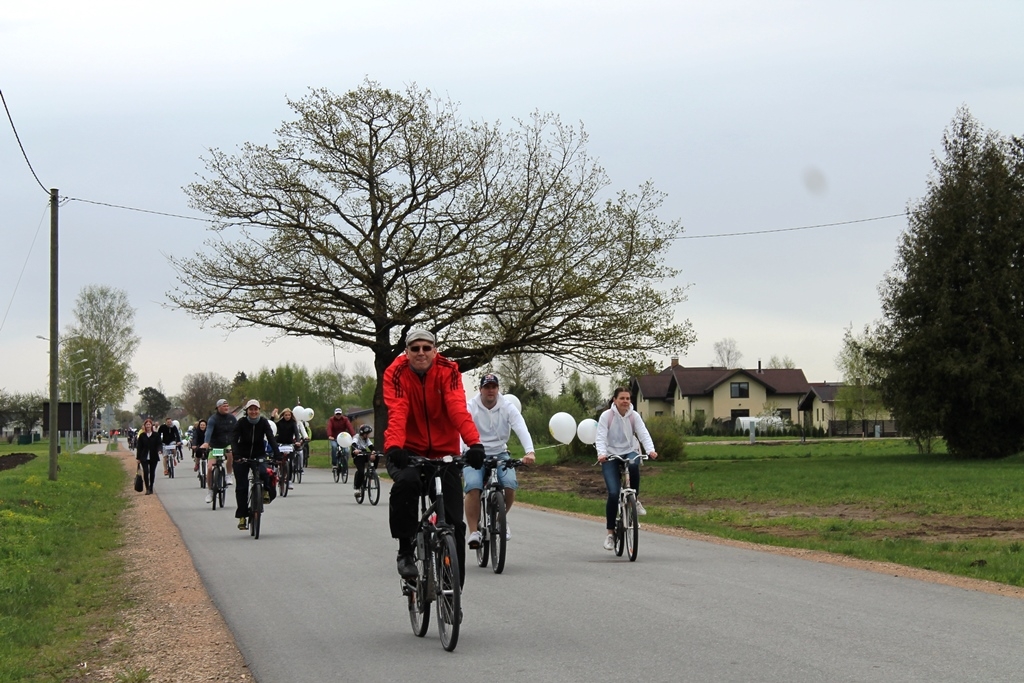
column 337, row 473
column 217, row 484
column 631, row 527
column 361, row 491
column 282, row 482
column 170, row 467
column 449, row 593
column 202, row 474
column 222, row 489
column 344, row 472
column 620, row 532
column 255, row 508
column 297, row 469
column 496, row 530
column 419, row 601
column 483, row 551
column 373, row 487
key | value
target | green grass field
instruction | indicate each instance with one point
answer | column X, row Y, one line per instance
column 61, row 586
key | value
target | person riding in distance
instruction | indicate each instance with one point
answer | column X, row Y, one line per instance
column 290, row 432
column 169, row 436
column 338, row 423
column 495, row 418
column 249, row 444
column 615, row 430
column 362, row 451
column 220, row 430
column 426, row 417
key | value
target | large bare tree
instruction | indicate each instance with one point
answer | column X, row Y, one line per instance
column 377, row 211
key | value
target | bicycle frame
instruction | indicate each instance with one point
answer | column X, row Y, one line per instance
column 626, row 537
column 217, row 455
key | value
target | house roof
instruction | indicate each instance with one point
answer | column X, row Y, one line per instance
column 824, row 391
column 701, row 381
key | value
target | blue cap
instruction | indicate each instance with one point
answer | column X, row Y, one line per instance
column 489, row 378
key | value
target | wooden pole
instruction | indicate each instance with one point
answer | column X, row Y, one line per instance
column 54, row 341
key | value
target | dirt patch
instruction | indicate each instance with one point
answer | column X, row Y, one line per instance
column 9, row 462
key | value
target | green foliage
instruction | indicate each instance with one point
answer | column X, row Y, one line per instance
column 61, row 578
column 200, row 391
column 951, row 347
column 25, row 410
column 153, row 403
column 669, row 437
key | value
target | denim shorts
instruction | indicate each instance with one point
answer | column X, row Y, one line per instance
column 475, row 478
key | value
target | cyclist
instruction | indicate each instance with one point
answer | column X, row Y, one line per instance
column 336, row 425
column 249, row 444
column 362, row 452
column 170, row 437
column 196, row 435
column 615, row 436
column 426, row 416
column 290, row 432
column 495, row 418
column 220, row 430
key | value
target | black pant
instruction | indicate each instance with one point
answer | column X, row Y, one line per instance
column 149, row 472
column 404, row 513
column 360, row 462
column 241, row 470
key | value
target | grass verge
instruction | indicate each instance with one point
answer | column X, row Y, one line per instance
column 60, row 589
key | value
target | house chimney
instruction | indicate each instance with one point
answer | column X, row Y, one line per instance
column 759, row 367
column 675, row 361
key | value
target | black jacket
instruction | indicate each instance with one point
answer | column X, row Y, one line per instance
column 251, row 440
column 221, row 429
column 169, row 434
column 148, row 446
column 287, row 432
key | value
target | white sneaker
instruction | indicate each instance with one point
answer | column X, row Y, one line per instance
column 609, row 542
column 640, row 509
column 508, row 532
column 290, row 486
column 209, row 497
column 474, row 540
column 229, row 480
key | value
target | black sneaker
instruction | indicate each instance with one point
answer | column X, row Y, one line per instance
column 407, row 567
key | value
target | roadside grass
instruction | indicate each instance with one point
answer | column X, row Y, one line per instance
column 866, row 499
column 61, row 587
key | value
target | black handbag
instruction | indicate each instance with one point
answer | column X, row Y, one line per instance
column 138, row 478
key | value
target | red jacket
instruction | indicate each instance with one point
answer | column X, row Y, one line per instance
column 428, row 414
column 338, row 424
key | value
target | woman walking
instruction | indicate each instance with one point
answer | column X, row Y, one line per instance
column 148, row 447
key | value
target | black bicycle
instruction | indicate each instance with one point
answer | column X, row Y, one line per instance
column 340, row 470
column 437, row 559
column 295, row 463
column 283, row 470
column 218, row 477
column 169, row 459
column 371, row 482
column 201, row 454
column 255, row 495
column 627, row 525
column 492, row 514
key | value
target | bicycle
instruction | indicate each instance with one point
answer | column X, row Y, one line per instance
column 218, row 477
column 282, row 469
column 627, row 528
column 255, row 495
column 201, row 455
column 437, row 561
column 492, row 514
column 340, row 470
column 295, row 464
column 371, row 482
column 169, row 458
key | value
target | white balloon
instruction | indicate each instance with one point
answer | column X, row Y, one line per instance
column 309, row 415
column 511, row 398
column 587, row 430
column 273, row 426
column 175, row 423
column 344, row 439
column 563, row 427
column 298, row 410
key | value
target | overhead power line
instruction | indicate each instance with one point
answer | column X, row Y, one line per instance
column 132, row 208
column 802, row 227
column 18, row 138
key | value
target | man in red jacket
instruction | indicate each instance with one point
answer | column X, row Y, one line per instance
column 338, row 423
column 427, row 415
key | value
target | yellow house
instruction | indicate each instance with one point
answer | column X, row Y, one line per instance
column 716, row 393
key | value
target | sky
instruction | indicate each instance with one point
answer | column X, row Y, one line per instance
column 751, row 116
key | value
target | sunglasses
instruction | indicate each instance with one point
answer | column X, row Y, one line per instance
column 426, row 348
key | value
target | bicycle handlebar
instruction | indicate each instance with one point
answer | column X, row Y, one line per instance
column 622, row 458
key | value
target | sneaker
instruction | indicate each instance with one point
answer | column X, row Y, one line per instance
column 640, row 509
column 508, row 532
column 209, row 497
column 407, row 567
column 266, row 497
column 290, row 486
column 609, row 542
column 474, row 540
column 229, row 480
column 243, row 523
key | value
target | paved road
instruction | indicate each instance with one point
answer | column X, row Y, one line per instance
column 317, row 598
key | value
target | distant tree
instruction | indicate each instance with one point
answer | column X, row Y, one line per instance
column 522, row 375
column 623, row 377
column 395, row 213
column 5, row 408
column 125, row 418
column 586, row 392
column 726, row 354
column 784, row 363
column 200, row 391
column 280, row 387
column 951, row 345
column 860, row 397
column 153, row 404
column 26, row 409
column 102, row 337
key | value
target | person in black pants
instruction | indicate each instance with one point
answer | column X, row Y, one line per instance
column 252, row 434
column 148, row 447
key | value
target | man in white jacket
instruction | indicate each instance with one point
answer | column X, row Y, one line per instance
column 495, row 419
column 616, row 429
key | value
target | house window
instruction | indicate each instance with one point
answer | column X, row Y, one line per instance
column 698, row 414
column 739, row 390
column 659, row 413
column 786, row 414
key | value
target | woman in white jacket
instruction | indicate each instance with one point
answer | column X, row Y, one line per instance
column 615, row 431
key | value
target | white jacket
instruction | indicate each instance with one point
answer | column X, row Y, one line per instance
column 497, row 423
column 615, row 432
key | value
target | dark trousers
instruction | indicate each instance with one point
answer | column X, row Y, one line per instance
column 241, row 471
column 149, row 472
column 404, row 511
column 360, row 462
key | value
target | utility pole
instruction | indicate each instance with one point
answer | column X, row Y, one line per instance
column 54, row 395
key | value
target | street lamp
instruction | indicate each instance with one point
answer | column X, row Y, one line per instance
column 81, row 375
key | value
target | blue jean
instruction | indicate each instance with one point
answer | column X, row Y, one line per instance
column 337, row 450
column 612, row 479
